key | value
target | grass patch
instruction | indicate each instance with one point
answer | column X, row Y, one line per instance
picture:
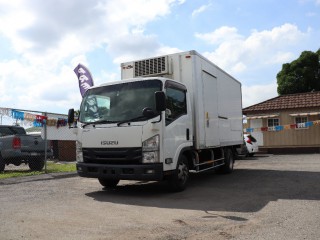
column 52, row 167
column 18, row 173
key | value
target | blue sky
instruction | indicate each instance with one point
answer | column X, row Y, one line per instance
column 41, row 42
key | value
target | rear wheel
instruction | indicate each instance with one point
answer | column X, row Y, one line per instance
column 2, row 164
column 228, row 162
column 178, row 181
column 36, row 164
column 109, row 183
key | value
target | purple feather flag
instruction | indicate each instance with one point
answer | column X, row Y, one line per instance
column 84, row 78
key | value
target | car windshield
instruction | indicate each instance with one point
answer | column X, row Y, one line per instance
column 120, row 102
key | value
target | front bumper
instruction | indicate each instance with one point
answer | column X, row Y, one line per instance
column 150, row 172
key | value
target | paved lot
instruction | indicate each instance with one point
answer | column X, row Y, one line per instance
column 267, row 197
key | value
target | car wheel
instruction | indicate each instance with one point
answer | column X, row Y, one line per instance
column 178, row 181
column 228, row 162
column 2, row 164
column 36, row 164
column 109, row 183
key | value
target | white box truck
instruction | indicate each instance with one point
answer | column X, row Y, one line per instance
column 168, row 117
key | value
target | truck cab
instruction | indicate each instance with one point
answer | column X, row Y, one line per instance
column 122, row 127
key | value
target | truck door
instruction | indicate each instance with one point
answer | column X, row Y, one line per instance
column 178, row 132
column 210, row 102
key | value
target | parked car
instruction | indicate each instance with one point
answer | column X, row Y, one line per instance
column 16, row 147
column 251, row 144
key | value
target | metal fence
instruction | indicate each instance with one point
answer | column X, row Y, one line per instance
column 34, row 142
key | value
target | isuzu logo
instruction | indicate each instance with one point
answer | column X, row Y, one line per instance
column 109, row 142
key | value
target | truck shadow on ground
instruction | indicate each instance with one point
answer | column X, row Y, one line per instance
column 243, row 191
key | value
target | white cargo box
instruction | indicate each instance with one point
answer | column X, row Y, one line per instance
column 215, row 95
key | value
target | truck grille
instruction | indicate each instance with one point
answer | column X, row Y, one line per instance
column 152, row 66
column 112, row 155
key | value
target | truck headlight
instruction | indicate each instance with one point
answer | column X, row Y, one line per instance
column 150, row 150
column 79, row 154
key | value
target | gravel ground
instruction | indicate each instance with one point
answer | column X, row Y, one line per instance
column 266, row 197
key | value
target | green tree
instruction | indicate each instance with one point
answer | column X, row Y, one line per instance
column 301, row 75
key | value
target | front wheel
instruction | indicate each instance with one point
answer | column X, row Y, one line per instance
column 109, row 183
column 178, row 181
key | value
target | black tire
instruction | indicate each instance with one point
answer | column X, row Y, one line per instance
column 2, row 164
column 251, row 154
column 109, row 183
column 178, row 181
column 228, row 162
column 36, row 164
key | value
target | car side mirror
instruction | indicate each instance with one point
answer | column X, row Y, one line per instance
column 71, row 116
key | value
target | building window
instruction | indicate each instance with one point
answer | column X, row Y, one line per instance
column 273, row 122
column 300, row 121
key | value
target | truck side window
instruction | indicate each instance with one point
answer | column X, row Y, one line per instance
column 176, row 104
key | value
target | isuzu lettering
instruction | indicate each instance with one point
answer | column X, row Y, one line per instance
column 168, row 117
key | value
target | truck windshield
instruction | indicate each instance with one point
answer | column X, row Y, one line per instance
column 120, row 102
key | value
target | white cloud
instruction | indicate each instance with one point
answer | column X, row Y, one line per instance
column 239, row 67
column 201, row 9
column 14, row 19
column 163, row 50
column 27, row 87
column 220, row 35
column 137, row 46
column 135, row 13
column 254, row 56
column 49, row 38
column 79, row 59
column 258, row 93
column 259, row 49
column 130, row 45
column 61, row 29
column 281, row 57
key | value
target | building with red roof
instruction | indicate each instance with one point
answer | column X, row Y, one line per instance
column 288, row 123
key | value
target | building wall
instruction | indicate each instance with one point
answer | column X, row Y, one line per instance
column 66, row 150
column 292, row 137
column 258, row 135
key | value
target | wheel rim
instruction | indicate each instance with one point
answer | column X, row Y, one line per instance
column 183, row 172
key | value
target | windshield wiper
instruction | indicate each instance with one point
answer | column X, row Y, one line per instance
column 97, row 122
column 132, row 120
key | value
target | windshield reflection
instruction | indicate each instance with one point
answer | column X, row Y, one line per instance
column 118, row 103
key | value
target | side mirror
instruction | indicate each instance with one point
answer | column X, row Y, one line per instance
column 71, row 116
column 160, row 101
